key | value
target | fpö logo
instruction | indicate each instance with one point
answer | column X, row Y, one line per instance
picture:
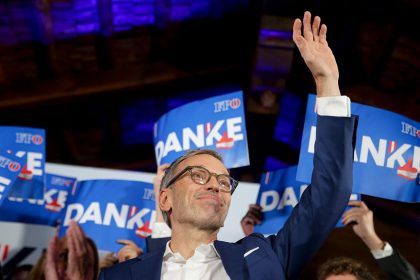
column 123, row 217
column 8, row 163
column 14, row 166
column 225, row 105
column 62, row 182
column 410, row 129
column 28, row 138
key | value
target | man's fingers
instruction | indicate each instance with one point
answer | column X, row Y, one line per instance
column 323, row 35
column 257, row 215
column 255, row 206
column 307, row 30
column 79, row 239
column 352, row 217
column 125, row 242
column 157, row 180
column 130, row 245
column 77, row 231
column 297, row 33
column 250, row 219
column 247, row 220
column 50, row 269
column 315, row 28
column 354, row 211
column 162, row 168
column 52, row 249
column 358, row 203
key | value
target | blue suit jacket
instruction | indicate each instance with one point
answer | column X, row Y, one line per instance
column 281, row 256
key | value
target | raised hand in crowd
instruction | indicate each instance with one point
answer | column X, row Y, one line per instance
column 129, row 251
column 362, row 217
column 392, row 264
column 253, row 217
column 73, row 257
column 108, row 260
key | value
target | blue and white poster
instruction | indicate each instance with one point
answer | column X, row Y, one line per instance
column 28, row 143
column 216, row 123
column 10, row 167
column 279, row 193
column 387, row 154
column 47, row 211
column 109, row 210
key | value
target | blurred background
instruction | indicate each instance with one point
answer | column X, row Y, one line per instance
column 97, row 74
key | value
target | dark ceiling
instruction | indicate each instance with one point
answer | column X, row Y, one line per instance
column 79, row 85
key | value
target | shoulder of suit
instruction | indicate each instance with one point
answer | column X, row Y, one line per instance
column 253, row 236
column 122, row 265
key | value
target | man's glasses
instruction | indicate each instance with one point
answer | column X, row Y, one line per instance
column 201, row 176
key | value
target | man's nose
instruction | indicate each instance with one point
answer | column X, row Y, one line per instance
column 213, row 184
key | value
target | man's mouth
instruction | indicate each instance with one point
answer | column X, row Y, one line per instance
column 211, row 197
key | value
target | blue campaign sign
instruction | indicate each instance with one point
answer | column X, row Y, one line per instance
column 10, row 167
column 387, row 153
column 108, row 210
column 28, row 143
column 47, row 211
column 216, row 123
column 278, row 195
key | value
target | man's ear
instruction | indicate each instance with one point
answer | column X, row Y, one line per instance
column 165, row 200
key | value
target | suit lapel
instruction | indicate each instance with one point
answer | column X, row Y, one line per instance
column 149, row 266
column 233, row 260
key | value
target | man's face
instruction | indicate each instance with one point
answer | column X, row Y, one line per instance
column 203, row 206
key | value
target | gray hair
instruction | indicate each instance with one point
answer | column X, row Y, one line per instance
column 170, row 171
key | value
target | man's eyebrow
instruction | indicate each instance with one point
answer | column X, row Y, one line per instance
column 228, row 173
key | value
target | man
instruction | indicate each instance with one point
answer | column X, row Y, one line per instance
column 196, row 193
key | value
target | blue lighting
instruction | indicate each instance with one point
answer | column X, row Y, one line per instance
column 24, row 22
column 271, row 34
column 130, row 13
column 272, row 164
column 288, row 128
column 74, row 18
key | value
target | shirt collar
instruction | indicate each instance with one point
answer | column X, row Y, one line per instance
column 203, row 253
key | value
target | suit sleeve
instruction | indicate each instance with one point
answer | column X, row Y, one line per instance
column 395, row 267
column 102, row 275
column 323, row 202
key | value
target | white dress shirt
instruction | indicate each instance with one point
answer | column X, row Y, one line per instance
column 383, row 253
column 205, row 264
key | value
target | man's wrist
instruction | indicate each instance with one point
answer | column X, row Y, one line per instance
column 327, row 88
column 334, row 106
column 384, row 252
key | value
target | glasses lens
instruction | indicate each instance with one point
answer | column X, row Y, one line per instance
column 224, row 182
column 199, row 175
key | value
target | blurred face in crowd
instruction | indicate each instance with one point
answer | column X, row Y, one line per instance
column 202, row 206
column 342, row 277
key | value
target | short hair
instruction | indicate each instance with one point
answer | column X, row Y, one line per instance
column 342, row 266
column 170, row 171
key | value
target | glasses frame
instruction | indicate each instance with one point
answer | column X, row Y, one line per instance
column 190, row 168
